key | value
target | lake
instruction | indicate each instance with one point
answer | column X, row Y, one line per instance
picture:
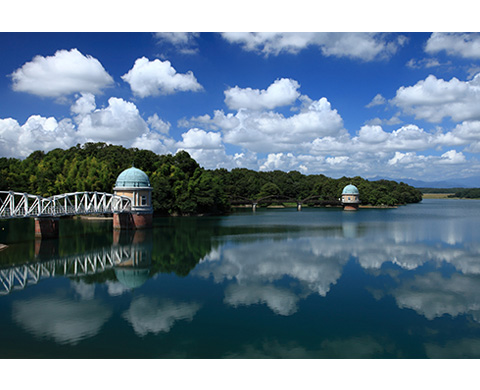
column 275, row 283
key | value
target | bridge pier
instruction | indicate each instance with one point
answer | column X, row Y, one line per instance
column 46, row 227
column 132, row 221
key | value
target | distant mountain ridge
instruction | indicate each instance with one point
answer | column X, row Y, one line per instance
column 467, row 182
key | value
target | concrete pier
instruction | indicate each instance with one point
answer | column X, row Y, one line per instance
column 46, row 227
column 132, row 221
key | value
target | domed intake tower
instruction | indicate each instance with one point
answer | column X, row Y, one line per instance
column 350, row 197
column 134, row 184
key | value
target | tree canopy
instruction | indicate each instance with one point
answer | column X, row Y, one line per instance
column 180, row 185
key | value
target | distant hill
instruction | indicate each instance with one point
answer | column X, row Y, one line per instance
column 468, row 182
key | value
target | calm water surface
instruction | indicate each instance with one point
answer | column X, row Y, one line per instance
column 320, row 283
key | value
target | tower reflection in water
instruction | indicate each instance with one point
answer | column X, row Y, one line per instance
column 130, row 256
column 133, row 270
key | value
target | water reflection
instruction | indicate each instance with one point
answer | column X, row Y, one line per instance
column 65, row 320
column 281, row 269
column 134, row 270
column 151, row 315
column 363, row 347
column 310, row 284
column 254, row 270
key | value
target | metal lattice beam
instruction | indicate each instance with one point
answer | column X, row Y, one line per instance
column 22, row 205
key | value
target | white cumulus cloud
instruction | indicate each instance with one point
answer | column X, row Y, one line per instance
column 200, row 139
column 378, row 100
column 466, row 45
column 452, row 157
column 158, row 124
column 37, row 133
column 433, row 99
column 152, row 78
column 64, row 73
column 119, row 121
column 272, row 132
column 363, row 46
column 372, row 134
column 184, row 42
column 282, row 92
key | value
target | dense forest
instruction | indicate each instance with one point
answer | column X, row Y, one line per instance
column 180, row 185
column 469, row 193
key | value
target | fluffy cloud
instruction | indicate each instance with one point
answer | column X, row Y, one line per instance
column 177, row 38
column 452, row 157
column 280, row 93
column 64, row 73
column 152, row 78
column 424, row 63
column 118, row 123
column 158, row 124
column 314, row 140
column 272, row 132
column 378, row 100
column 467, row 132
column 363, row 46
column 38, row 133
column 465, row 45
column 185, row 42
column 433, row 99
column 200, row 139
column 280, row 161
column 372, row 135
column 207, row 149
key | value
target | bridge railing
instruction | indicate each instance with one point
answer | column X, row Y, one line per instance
column 22, row 205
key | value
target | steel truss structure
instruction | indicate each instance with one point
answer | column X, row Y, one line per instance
column 22, row 205
column 21, row 276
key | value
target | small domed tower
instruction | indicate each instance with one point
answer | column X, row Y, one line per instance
column 350, row 197
column 134, row 184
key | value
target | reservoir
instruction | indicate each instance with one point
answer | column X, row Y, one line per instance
column 275, row 283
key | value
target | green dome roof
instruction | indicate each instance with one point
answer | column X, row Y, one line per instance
column 132, row 177
column 350, row 190
column 132, row 277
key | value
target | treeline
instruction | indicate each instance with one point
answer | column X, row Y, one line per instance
column 180, row 185
column 430, row 190
column 469, row 193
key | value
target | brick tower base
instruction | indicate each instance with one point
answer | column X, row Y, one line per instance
column 127, row 221
column 46, row 227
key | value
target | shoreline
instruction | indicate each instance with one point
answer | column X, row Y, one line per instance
column 444, row 196
column 93, row 218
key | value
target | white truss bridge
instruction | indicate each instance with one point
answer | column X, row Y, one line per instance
column 22, row 205
column 18, row 277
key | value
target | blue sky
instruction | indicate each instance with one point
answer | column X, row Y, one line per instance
column 400, row 105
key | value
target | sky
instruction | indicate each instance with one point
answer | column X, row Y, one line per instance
column 394, row 105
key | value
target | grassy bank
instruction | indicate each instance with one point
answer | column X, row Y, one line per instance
column 438, row 196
